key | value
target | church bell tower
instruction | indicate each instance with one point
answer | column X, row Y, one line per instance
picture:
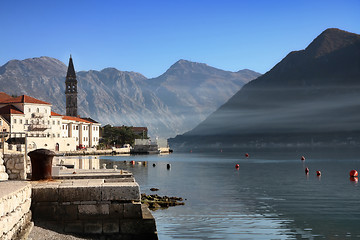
column 71, row 90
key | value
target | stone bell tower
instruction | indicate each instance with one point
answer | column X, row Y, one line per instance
column 71, row 90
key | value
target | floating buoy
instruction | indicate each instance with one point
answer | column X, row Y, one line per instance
column 237, row 166
column 302, row 158
column 132, row 162
column 168, row 166
column 246, row 155
column 154, row 164
column 220, row 150
column 190, row 150
column 353, row 173
column 307, row 170
column 318, row 173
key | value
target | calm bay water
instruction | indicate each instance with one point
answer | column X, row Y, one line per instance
column 269, row 197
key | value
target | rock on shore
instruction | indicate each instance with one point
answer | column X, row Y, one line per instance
column 155, row 201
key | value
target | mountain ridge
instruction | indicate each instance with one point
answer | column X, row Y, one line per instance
column 119, row 97
column 305, row 93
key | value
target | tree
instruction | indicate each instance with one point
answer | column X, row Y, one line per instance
column 117, row 136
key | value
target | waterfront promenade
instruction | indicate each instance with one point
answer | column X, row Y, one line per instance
column 92, row 203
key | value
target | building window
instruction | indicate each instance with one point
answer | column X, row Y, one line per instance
column 63, row 127
column 58, row 135
column 53, row 122
column 58, row 122
column 77, row 139
column 37, row 110
column 45, row 110
column 29, row 109
column 14, row 121
column 77, row 127
column 26, row 121
column 20, row 121
column 48, row 122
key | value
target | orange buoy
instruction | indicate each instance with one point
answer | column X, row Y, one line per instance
column 237, row 166
column 307, row 170
column 302, row 158
column 246, row 155
column 354, row 173
column 318, row 173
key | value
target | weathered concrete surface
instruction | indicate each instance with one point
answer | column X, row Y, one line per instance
column 94, row 174
column 15, row 215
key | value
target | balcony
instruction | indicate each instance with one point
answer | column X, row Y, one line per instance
column 37, row 115
column 38, row 127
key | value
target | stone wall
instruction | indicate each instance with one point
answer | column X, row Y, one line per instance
column 15, row 214
column 93, row 206
column 3, row 175
column 15, row 166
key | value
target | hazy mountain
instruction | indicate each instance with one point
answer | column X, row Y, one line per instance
column 312, row 96
column 129, row 98
column 194, row 90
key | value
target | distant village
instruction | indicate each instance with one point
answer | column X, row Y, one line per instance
column 26, row 122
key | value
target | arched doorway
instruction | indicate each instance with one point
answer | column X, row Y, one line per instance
column 57, row 147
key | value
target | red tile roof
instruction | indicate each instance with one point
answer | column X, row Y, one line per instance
column 55, row 114
column 139, row 129
column 4, row 96
column 24, row 99
column 10, row 109
column 77, row 119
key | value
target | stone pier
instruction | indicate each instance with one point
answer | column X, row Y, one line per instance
column 107, row 207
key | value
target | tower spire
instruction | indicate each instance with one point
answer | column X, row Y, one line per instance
column 71, row 70
column 71, row 90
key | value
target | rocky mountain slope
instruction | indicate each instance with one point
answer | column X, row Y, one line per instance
column 311, row 97
column 168, row 105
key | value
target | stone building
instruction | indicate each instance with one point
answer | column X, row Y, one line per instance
column 25, row 115
column 71, row 90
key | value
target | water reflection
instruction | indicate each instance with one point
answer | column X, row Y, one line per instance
column 87, row 162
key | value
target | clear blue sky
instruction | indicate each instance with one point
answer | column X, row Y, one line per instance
column 149, row 36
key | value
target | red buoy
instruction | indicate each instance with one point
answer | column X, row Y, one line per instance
column 318, row 173
column 307, row 170
column 237, row 166
column 246, row 155
column 132, row 162
column 302, row 158
column 354, row 173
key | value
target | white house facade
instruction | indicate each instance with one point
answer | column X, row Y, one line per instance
column 44, row 128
